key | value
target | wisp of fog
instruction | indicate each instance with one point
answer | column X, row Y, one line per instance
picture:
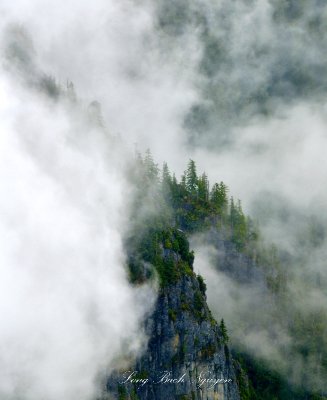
column 238, row 86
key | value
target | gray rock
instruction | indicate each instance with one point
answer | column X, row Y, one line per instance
column 186, row 354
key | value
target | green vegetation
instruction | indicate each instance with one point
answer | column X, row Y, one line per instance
column 166, row 250
column 183, row 397
column 165, row 211
column 172, row 315
column 122, row 393
column 202, row 285
column 189, row 205
column 263, row 383
column 208, row 351
column 223, row 330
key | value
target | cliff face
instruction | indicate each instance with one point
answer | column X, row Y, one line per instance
column 187, row 355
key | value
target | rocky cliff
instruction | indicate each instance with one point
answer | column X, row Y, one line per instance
column 187, row 355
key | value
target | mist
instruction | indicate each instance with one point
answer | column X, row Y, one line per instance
column 259, row 324
column 68, row 314
column 238, row 86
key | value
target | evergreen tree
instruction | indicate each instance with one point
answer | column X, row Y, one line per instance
column 232, row 213
column 223, row 330
column 203, row 188
column 166, row 177
column 151, row 169
column 167, row 184
column 218, row 198
column 238, row 224
column 191, row 179
column 174, row 191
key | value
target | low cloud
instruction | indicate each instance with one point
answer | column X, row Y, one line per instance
column 68, row 313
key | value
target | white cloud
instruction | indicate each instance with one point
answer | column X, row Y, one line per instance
column 67, row 310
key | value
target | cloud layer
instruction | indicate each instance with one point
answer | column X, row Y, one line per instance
column 67, row 311
column 238, row 86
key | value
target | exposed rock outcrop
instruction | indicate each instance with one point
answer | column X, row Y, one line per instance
column 187, row 355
